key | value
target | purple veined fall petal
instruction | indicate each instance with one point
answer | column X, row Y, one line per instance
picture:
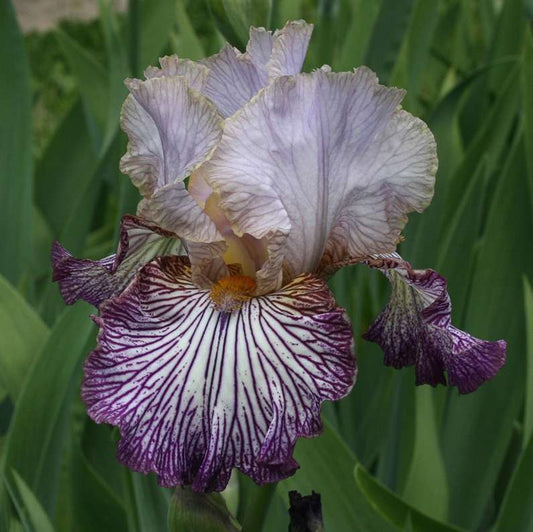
column 196, row 391
column 415, row 329
column 95, row 281
column 324, row 165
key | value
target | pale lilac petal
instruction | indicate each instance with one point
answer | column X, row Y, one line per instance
column 173, row 208
column 232, row 80
column 97, row 280
column 259, row 49
column 196, row 392
column 327, row 162
column 171, row 65
column 289, row 49
column 415, row 328
column 171, row 130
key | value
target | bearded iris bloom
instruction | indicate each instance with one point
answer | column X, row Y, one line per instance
column 219, row 338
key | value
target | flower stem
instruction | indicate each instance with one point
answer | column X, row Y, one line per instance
column 255, row 514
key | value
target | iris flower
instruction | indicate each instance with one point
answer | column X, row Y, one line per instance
column 219, row 338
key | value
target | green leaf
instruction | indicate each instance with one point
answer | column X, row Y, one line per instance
column 326, row 466
column 284, row 10
column 419, row 38
column 93, row 84
column 397, row 511
column 22, row 335
column 42, row 236
column 31, row 513
column 488, row 144
column 188, row 44
column 65, row 170
column 516, row 512
column 38, row 429
column 495, row 302
column 95, row 505
column 234, row 18
column 388, row 35
column 427, row 488
column 527, row 104
column 507, row 39
column 151, row 502
column 528, row 413
column 158, row 19
column 16, row 149
column 396, row 453
column 462, row 233
column 354, row 48
column 191, row 511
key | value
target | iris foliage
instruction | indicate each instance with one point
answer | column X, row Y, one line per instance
column 392, row 456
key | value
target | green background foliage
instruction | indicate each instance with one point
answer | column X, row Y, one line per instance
column 392, row 456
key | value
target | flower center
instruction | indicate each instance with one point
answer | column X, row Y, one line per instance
column 229, row 293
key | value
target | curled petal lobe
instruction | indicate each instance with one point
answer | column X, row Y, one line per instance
column 171, row 130
column 174, row 209
column 234, row 78
column 95, row 281
column 289, row 48
column 194, row 73
column 259, row 48
column 196, row 391
column 415, row 328
column 325, row 165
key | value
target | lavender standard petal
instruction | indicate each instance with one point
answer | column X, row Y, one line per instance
column 325, row 166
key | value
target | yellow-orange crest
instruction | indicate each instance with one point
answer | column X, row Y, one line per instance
column 229, row 293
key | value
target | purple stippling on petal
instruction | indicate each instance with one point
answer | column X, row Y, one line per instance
column 415, row 328
column 196, row 392
column 95, row 281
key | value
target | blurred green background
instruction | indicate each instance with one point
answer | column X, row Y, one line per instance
column 392, row 457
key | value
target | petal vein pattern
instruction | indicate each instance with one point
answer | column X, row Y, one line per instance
column 97, row 280
column 323, row 163
column 415, row 328
column 171, row 129
column 196, row 392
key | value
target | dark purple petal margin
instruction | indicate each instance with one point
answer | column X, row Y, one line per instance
column 415, row 328
column 196, row 392
column 97, row 280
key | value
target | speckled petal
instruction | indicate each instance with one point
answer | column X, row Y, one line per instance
column 415, row 328
column 196, row 392
column 97, row 280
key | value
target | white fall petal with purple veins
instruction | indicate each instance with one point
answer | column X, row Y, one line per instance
column 196, row 392
column 219, row 338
